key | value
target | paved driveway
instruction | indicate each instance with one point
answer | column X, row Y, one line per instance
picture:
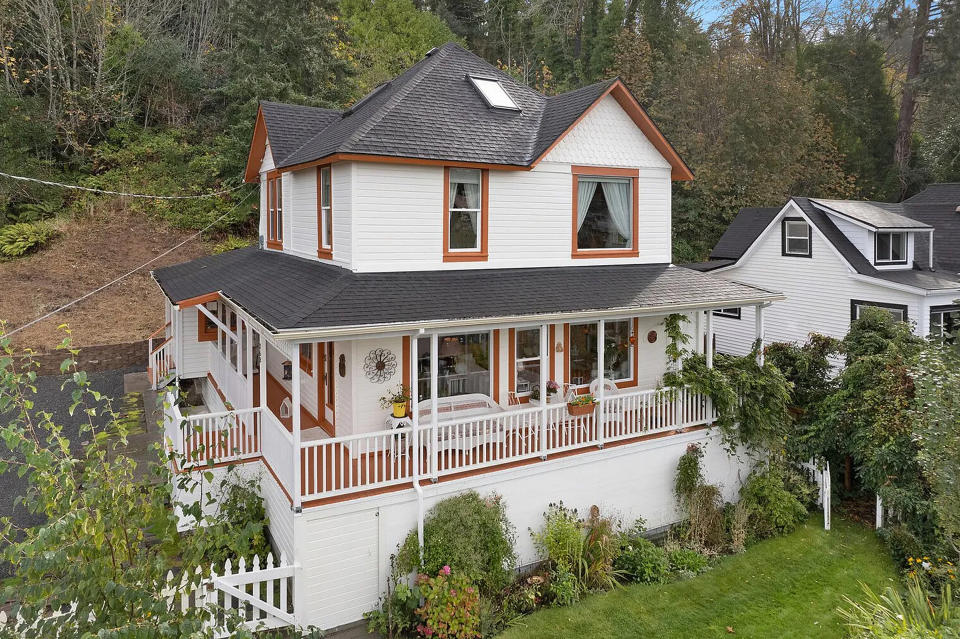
column 49, row 397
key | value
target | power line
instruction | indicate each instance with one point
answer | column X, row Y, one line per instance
column 129, row 273
column 77, row 187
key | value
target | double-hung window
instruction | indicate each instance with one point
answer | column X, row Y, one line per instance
column 797, row 237
column 324, row 213
column 527, row 360
column 891, row 248
column 898, row 312
column 605, row 212
column 274, row 211
column 465, row 214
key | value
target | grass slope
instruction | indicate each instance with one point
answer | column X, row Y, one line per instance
column 784, row 587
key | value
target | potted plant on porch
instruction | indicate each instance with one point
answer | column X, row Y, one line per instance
column 398, row 399
column 553, row 390
column 581, row 405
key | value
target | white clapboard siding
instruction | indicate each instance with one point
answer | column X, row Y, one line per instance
column 301, row 208
column 195, row 354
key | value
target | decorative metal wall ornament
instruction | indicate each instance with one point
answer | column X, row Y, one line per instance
column 343, row 365
column 379, row 365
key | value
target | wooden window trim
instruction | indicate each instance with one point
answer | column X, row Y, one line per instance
column 205, row 334
column 783, row 237
column 330, row 362
column 626, row 383
column 306, row 364
column 633, row 174
column 274, row 190
column 324, row 253
column 467, row 256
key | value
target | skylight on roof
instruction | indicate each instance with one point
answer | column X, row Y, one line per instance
column 494, row 93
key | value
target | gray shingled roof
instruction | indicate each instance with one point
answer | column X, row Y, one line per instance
column 432, row 111
column 937, row 206
column 745, row 228
column 879, row 215
column 288, row 292
column 288, row 124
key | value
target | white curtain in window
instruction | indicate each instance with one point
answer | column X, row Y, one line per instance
column 469, row 179
column 617, row 195
column 585, row 191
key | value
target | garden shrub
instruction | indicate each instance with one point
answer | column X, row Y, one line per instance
column 913, row 615
column 397, row 612
column 524, row 597
column 230, row 243
column 689, row 473
column 902, row 543
column 16, row 240
column 687, row 560
column 586, row 548
column 469, row 533
column 702, row 502
column 240, row 523
column 600, row 549
column 564, row 587
column 561, row 539
column 642, row 561
column 451, row 606
column 772, row 508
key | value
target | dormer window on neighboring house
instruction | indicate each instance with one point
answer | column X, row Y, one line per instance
column 797, row 237
column 891, row 248
column 324, row 213
column 605, row 212
column 274, row 210
column 465, row 214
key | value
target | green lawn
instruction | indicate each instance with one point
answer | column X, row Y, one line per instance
column 784, row 587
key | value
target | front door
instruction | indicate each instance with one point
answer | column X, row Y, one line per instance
column 326, row 395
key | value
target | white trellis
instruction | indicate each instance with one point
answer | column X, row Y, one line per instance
column 259, row 597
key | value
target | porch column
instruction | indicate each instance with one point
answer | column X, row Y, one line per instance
column 759, row 333
column 415, row 437
column 295, row 417
column 248, row 365
column 262, row 368
column 601, row 375
column 709, row 336
column 544, row 375
column 434, row 405
column 698, row 332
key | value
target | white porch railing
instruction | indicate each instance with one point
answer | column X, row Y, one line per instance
column 357, row 462
column 160, row 363
column 231, row 383
column 221, row 437
column 277, row 449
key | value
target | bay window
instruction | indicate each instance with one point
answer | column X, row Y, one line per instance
column 617, row 354
column 463, row 365
column 891, row 248
column 324, row 213
column 274, row 211
column 465, row 215
column 605, row 212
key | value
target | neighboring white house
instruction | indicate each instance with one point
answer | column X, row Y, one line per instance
column 462, row 234
column 831, row 258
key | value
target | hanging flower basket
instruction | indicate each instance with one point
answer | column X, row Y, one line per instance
column 581, row 405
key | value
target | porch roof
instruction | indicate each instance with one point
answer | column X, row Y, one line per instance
column 293, row 294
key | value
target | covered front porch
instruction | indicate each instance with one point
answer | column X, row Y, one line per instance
column 323, row 437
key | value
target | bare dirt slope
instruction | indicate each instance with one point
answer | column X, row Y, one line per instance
column 91, row 251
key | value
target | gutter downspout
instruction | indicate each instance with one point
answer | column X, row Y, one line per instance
column 415, row 409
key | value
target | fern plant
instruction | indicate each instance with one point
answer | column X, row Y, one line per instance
column 16, row 240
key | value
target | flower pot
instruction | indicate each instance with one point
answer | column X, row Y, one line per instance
column 399, row 409
column 577, row 410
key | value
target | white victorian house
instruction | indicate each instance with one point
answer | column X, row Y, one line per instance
column 461, row 234
column 831, row 258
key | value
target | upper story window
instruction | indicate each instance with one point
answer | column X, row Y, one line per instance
column 324, row 213
column 274, row 211
column 797, row 237
column 465, row 214
column 605, row 212
column 891, row 248
column 898, row 312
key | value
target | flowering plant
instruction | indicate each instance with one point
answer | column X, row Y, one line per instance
column 451, row 606
column 552, row 389
column 583, row 400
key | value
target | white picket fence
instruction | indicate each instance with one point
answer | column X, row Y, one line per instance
column 257, row 597
column 821, row 476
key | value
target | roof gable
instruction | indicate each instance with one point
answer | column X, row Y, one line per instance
column 432, row 113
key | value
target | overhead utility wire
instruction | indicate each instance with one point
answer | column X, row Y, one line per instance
column 77, row 187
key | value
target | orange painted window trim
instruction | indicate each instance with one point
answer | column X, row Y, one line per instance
column 626, row 383
column 324, row 399
column 205, row 333
column 329, row 360
column 306, row 363
column 633, row 251
column 467, row 256
column 274, row 210
column 324, row 253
